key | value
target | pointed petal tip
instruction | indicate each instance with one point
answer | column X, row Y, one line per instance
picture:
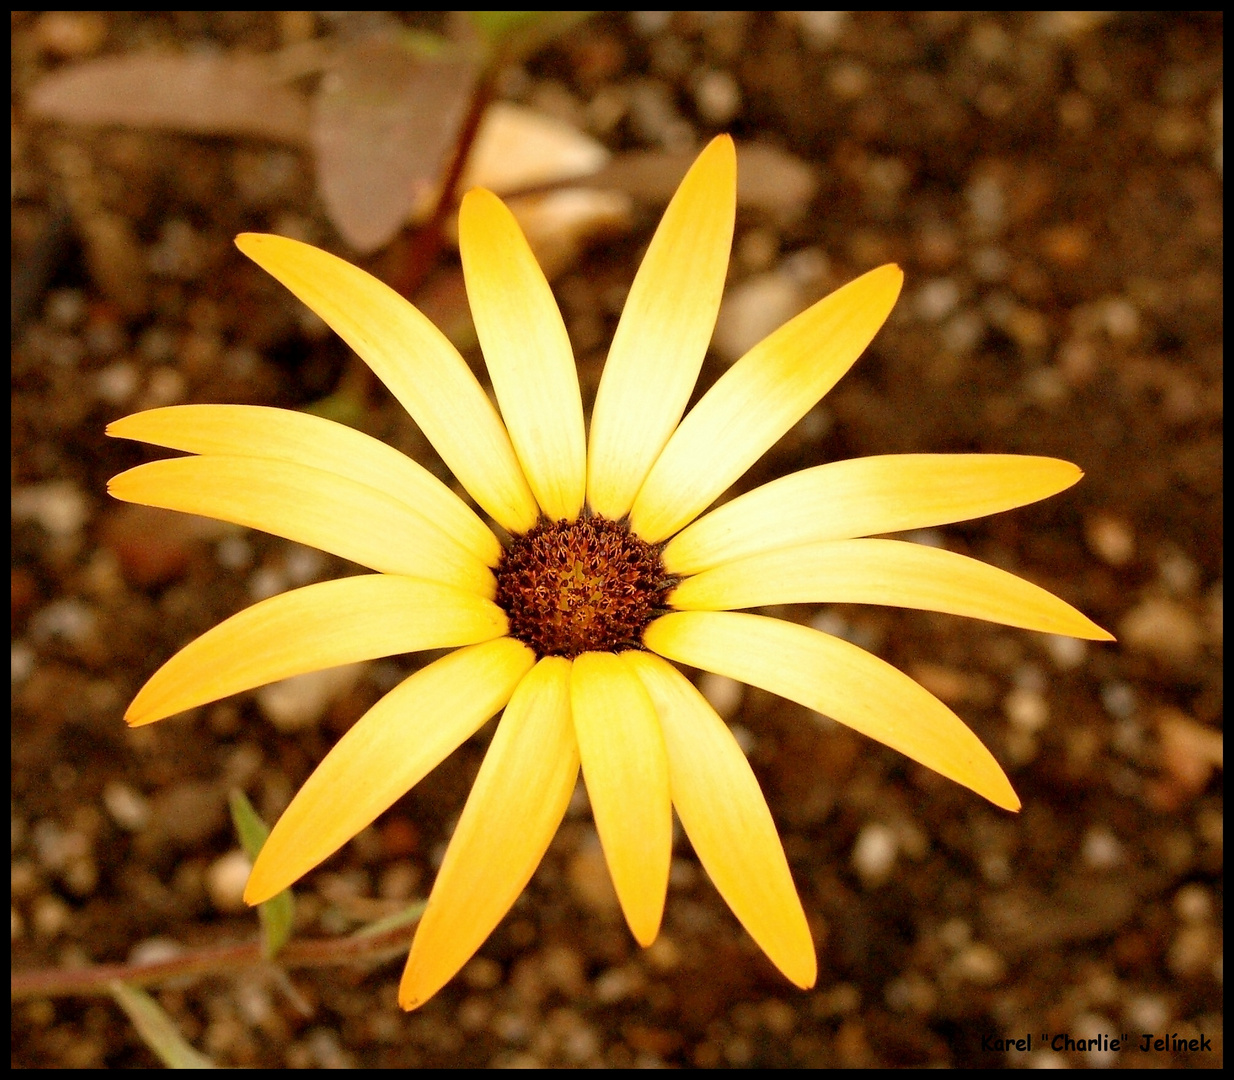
column 246, row 241
column 722, row 149
column 891, row 275
column 647, row 930
column 252, row 897
column 265, row 881
column 477, row 200
column 803, row 971
column 139, row 713
column 1003, row 796
column 410, row 997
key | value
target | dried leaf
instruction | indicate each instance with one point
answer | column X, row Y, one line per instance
column 768, row 179
column 200, row 93
column 383, row 121
column 517, row 148
column 560, row 224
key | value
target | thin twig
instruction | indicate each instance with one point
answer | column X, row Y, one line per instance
column 212, row 960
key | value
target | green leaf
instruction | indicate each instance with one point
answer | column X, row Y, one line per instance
column 157, row 1030
column 250, row 829
column 497, row 24
column 278, row 913
column 520, row 33
column 405, row 917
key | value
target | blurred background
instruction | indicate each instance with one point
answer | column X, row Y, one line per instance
column 1051, row 184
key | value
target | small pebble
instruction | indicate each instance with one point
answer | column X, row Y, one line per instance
column 59, row 507
column 874, row 854
column 225, row 881
column 1100, row 849
column 298, row 703
column 1162, row 628
column 128, row 808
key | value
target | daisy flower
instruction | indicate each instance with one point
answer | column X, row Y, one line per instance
column 603, row 566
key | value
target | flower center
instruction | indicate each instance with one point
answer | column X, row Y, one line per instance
column 590, row 585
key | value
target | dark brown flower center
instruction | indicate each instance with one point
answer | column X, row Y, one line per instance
column 589, row 585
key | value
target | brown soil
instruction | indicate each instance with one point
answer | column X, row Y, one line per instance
column 1052, row 187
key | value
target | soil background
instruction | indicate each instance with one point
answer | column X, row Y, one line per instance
column 1051, row 185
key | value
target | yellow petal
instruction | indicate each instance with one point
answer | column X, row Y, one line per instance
column 726, row 818
column 318, row 626
column 517, row 803
column 527, row 351
column 863, row 497
column 312, row 507
column 418, row 364
column 890, row 572
column 389, row 750
column 758, row 399
column 663, row 334
column 830, row 676
column 254, row 431
column 626, row 772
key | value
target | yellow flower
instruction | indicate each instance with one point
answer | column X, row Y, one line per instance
column 606, row 572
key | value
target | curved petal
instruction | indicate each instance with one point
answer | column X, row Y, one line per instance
column 664, row 331
column 891, row 572
column 418, row 364
column 515, row 806
column 830, row 676
column 863, row 497
column 726, row 818
column 758, row 399
column 389, row 750
column 626, row 772
column 318, row 626
column 254, row 431
column 527, row 351
column 309, row 506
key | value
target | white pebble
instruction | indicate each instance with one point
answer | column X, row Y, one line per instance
column 937, row 298
column 1100, row 849
column 1027, row 709
column 722, row 693
column 754, row 308
column 128, row 808
column 717, row 96
column 300, row 702
column 1068, row 653
column 225, row 881
column 59, row 507
column 874, row 853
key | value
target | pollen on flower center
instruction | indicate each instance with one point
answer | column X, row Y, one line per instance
column 590, row 585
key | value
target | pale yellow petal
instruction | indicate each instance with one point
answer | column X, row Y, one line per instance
column 864, row 497
column 833, row 677
column 726, row 818
column 418, row 364
column 312, row 507
column 527, row 351
column 758, row 399
column 318, row 626
column 626, row 772
column 516, row 804
column 389, row 750
column 890, row 572
column 257, row 432
column 664, row 331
